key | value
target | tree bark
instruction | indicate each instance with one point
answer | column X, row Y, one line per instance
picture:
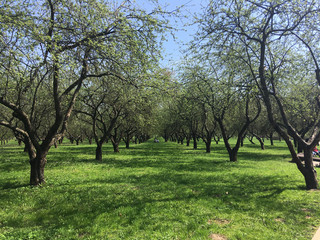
column 127, row 144
column 195, row 143
column 208, row 145
column 216, row 139
column 309, row 173
column 233, row 155
column 115, row 147
column 99, row 152
column 260, row 141
column 271, row 139
column 37, row 170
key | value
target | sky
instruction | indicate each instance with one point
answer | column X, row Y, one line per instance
column 172, row 48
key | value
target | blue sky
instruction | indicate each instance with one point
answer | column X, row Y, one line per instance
column 173, row 47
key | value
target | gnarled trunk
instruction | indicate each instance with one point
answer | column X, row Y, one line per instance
column 37, row 169
column 37, row 160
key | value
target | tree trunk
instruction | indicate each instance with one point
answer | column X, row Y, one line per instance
column 99, row 152
column 195, row 143
column 309, row 173
column 271, row 139
column 115, row 147
column 232, row 151
column 299, row 148
column 127, row 143
column 260, row 141
column 208, row 146
column 250, row 138
column 37, row 169
column 233, row 155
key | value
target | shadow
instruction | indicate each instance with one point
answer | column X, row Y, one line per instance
column 12, row 185
column 141, row 200
column 148, row 189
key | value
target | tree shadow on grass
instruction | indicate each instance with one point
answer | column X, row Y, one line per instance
column 273, row 147
column 263, row 156
column 13, row 158
column 171, row 180
column 138, row 200
column 4, row 185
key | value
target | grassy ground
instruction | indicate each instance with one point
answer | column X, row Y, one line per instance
column 157, row 191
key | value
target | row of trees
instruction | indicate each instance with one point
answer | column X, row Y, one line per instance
column 252, row 70
column 51, row 50
column 251, row 58
column 269, row 49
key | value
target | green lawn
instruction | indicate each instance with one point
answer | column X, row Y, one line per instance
column 157, row 191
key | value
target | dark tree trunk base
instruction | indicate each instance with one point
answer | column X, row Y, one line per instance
column 208, row 147
column 99, row 153
column 37, row 165
column 311, row 180
column 233, row 155
column 195, row 144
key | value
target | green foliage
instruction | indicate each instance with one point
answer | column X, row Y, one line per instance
column 45, row 45
column 157, row 191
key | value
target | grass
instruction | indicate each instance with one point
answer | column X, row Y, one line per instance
column 157, row 191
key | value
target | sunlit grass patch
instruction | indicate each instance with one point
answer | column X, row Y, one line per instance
column 157, row 191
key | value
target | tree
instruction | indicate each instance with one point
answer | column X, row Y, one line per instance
column 5, row 135
column 275, row 39
column 224, row 89
column 101, row 102
column 49, row 49
column 209, row 127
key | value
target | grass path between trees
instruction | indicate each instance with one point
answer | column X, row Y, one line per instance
column 157, row 191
